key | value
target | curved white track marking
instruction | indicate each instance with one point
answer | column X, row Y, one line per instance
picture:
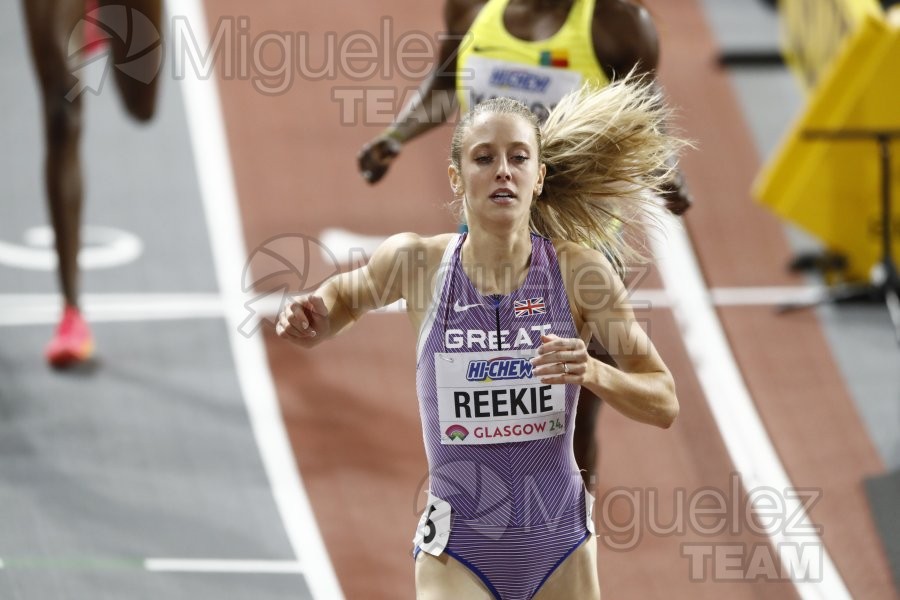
column 742, row 430
column 103, row 248
column 219, row 197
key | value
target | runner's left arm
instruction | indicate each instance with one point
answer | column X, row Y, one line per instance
column 641, row 387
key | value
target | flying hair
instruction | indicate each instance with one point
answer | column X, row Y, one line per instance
column 608, row 155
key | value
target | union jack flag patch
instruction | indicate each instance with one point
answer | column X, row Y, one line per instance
column 533, row 306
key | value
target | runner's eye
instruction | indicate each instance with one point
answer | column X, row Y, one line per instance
column 520, row 158
column 483, row 159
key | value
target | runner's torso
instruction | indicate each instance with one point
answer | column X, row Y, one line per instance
column 492, row 62
column 484, row 416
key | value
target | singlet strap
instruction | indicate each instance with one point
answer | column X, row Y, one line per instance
column 440, row 279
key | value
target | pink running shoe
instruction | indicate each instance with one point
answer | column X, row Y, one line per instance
column 73, row 342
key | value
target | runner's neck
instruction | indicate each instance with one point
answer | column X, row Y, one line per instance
column 496, row 264
column 536, row 20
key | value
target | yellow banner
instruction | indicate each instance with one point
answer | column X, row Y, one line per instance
column 832, row 188
column 812, row 32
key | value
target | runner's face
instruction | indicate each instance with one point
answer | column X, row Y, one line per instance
column 499, row 171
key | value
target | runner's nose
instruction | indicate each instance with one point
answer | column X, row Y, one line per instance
column 503, row 173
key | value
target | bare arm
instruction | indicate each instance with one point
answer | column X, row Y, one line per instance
column 434, row 102
column 641, row 387
column 625, row 38
column 342, row 300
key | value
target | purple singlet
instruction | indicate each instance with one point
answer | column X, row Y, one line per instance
column 506, row 496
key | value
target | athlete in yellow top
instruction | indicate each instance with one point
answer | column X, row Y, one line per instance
column 493, row 62
column 531, row 50
column 534, row 51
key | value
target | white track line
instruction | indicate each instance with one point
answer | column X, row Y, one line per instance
column 43, row 309
column 180, row 565
column 219, row 197
column 742, row 430
column 762, row 296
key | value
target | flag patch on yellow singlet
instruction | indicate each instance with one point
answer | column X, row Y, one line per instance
column 555, row 58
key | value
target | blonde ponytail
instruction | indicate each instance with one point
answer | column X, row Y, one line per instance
column 607, row 155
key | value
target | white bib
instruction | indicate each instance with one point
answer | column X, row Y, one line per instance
column 537, row 87
column 493, row 398
column 433, row 530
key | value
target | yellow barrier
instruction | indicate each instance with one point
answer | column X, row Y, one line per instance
column 812, row 32
column 832, row 189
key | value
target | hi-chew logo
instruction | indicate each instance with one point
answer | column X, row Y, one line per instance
column 518, row 79
column 498, row 369
column 457, row 432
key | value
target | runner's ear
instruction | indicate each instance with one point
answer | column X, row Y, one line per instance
column 455, row 180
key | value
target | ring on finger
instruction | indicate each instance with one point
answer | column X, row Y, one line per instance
column 565, row 368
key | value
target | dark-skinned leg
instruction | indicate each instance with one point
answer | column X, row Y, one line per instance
column 585, row 445
column 50, row 23
column 584, row 441
column 138, row 79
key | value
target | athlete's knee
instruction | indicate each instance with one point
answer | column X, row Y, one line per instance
column 143, row 114
column 141, row 107
column 63, row 121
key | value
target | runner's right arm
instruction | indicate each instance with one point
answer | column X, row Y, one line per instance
column 345, row 298
column 434, row 102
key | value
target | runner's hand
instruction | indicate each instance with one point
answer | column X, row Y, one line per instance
column 304, row 321
column 561, row 360
column 676, row 195
column 375, row 157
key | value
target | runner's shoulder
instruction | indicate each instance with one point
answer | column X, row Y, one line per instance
column 460, row 14
column 574, row 257
column 435, row 246
column 625, row 37
column 429, row 247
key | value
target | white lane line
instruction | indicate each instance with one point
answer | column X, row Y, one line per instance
column 762, row 296
column 213, row 162
column 43, row 309
column 160, row 565
column 742, row 430
column 181, row 565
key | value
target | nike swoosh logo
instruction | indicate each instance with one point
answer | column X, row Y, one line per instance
column 457, row 307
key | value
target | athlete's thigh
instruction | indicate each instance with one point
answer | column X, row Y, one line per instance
column 50, row 24
column 576, row 577
column 139, row 59
column 444, row 578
